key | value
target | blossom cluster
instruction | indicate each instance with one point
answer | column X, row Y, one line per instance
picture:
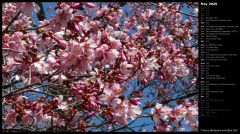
column 82, row 59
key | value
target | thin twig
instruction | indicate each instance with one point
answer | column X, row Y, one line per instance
column 30, row 29
column 11, row 22
column 191, row 15
column 9, row 49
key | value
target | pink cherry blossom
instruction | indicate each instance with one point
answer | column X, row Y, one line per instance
column 90, row 5
column 60, row 78
column 63, row 105
column 40, row 67
column 111, row 93
column 64, row 15
column 161, row 112
column 162, row 127
column 27, row 118
column 126, row 68
column 101, row 50
column 194, row 52
column 134, row 111
column 10, row 118
column 27, row 7
column 111, row 55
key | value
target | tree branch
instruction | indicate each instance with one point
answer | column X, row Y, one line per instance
column 182, row 97
column 30, row 29
column 11, row 22
column 41, row 13
column 178, row 98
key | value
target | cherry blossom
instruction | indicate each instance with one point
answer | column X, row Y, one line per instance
column 27, row 118
column 60, row 78
column 10, row 118
column 61, row 104
column 162, row 112
column 27, row 7
column 90, row 5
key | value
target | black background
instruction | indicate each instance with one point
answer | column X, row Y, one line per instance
column 229, row 69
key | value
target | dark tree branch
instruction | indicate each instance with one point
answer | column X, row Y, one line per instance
column 41, row 13
column 188, row 95
column 30, row 29
column 11, row 22
column 182, row 97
